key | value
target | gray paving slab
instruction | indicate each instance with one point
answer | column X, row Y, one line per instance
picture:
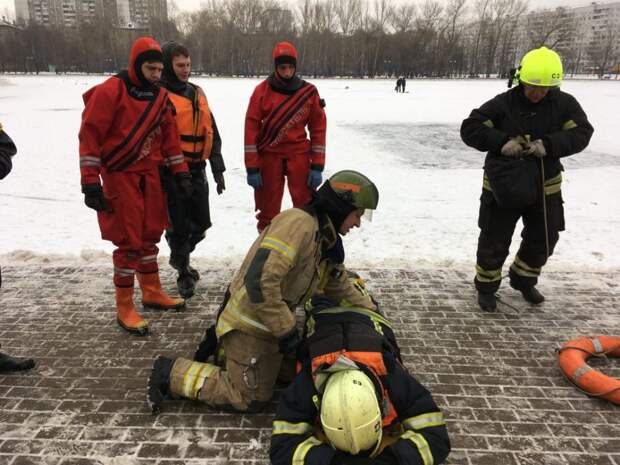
column 494, row 375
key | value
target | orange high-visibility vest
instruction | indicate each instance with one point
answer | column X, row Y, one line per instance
column 195, row 125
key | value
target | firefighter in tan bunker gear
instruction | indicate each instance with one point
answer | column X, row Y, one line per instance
column 299, row 252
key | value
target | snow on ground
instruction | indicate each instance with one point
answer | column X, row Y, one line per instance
column 409, row 144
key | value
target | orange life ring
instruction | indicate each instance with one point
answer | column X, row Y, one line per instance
column 573, row 357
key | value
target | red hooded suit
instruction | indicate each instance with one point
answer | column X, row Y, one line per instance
column 276, row 141
column 127, row 131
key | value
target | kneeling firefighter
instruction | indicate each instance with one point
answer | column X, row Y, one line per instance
column 525, row 132
column 298, row 252
column 353, row 402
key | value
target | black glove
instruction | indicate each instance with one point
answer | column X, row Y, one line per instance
column 93, row 198
column 207, row 346
column 8, row 363
column 289, row 342
column 183, row 181
column 5, row 165
column 219, row 181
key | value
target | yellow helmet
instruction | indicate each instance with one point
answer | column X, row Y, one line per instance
column 350, row 412
column 541, row 67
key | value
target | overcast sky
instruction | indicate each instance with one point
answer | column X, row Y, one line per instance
column 7, row 7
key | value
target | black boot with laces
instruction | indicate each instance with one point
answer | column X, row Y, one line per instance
column 158, row 386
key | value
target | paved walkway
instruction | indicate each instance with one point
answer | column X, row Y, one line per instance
column 494, row 375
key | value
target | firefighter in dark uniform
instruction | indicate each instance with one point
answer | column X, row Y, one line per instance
column 525, row 132
column 353, row 401
column 7, row 151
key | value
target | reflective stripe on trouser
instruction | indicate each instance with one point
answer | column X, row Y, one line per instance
column 250, row 374
column 188, row 377
column 522, row 269
column 488, row 276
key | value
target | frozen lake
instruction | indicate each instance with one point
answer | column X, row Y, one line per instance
column 409, row 144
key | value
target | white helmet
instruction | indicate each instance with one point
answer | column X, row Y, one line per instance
column 350, row 412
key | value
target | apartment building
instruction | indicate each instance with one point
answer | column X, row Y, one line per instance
column 70, row 13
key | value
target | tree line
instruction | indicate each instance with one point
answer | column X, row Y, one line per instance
column 349, row 38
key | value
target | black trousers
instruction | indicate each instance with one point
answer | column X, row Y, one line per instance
column 497, row 225
column 189, row 217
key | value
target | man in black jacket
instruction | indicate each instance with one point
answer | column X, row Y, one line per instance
column 190, row 217
column 525, row 131
column 353, row 401
column 7, row 150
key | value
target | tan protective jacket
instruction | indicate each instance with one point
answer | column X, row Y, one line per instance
column 284, row 267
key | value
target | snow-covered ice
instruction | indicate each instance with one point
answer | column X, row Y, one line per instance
column 409, row 144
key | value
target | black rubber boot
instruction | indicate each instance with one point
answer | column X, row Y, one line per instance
column 194, row 272
column 186, row 285
column 487, row 302
column 158, row 386
column 8, row 363
column 531, row 294
column 207, row 346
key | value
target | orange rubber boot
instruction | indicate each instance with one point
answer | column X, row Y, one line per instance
column 154, row 296
column 126, row 314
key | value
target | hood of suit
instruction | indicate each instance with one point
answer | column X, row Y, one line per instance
column 143, row 49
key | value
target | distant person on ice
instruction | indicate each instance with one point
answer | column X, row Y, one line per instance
column 276, row 144
column 255, row 330
column 127, row 131
column 200, row 141
column 403, row 84
column 7, row 151
column 525, row 132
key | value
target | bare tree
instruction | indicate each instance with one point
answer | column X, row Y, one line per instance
column 505, row 15
column 348, row 15
column 482, row 9
column 334, row 37
column 449, row 53
column 428, row 24
column 549, row 28
column 605, row 49
column 383, row 12
column 403, row 18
